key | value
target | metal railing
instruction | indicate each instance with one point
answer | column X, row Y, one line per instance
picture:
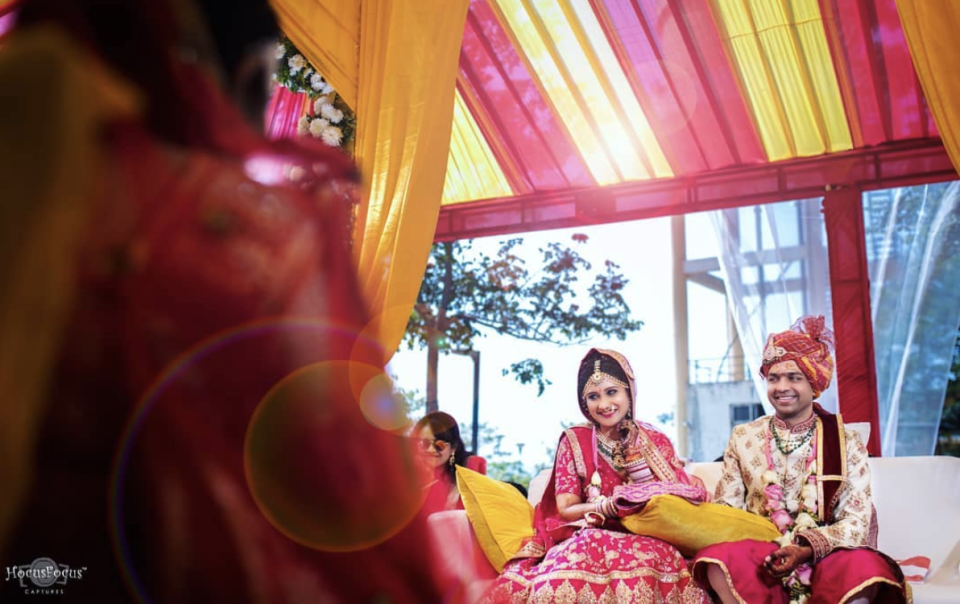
column 723, row 369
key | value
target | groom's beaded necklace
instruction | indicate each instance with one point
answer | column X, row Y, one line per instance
column 784, row 447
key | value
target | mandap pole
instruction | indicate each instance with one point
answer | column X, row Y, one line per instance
column 475, row 355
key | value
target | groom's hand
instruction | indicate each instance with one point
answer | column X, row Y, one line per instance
column 786, row 559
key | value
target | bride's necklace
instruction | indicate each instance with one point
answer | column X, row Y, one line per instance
column 612, row 450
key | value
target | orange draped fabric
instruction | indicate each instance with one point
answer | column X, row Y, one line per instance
column 49, row 142
column 931, row 31
column 395, row 62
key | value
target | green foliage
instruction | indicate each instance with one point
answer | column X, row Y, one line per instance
column 949, row 443
column 527, row 371
column 414, row 405
column 465, row 291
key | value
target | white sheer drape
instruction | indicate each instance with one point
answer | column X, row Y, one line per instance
column 913, row 243
column 774, row 265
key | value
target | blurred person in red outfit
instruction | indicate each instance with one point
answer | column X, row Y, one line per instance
column 186, row 410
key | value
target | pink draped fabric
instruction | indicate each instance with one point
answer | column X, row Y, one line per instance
column 283, row 112
column 673, row 56
column 531, row 144
column 881, row 90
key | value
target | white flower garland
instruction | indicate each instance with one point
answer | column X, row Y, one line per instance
column 330, row 120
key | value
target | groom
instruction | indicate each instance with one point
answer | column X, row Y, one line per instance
column 809, row 475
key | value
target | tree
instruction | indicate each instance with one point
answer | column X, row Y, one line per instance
column 465, row 290
column 950, row 420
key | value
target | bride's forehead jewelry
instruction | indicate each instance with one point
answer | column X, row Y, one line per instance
column 598, row 376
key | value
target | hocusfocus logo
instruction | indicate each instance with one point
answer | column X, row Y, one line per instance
column 43, row 576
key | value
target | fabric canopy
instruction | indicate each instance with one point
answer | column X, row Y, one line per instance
column 572, row 95
column 622, row 109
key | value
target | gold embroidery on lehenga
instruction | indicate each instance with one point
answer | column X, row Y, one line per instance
column 585, row 596
column 577, row 452
column 565, row 594
column 543, row 595
column 607, row 597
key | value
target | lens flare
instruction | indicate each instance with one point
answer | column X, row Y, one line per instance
column 321, row 470
column 300, row 336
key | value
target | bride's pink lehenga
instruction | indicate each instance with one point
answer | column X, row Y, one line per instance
column 592, row 564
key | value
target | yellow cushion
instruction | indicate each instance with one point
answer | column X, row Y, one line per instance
column 690, row 527
column 501, row 516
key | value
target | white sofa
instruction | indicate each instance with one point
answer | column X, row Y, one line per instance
column 918, row 508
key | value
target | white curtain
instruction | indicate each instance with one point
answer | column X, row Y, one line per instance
column 913, row 243
column 773, row 261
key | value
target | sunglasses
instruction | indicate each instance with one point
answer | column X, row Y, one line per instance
column 425, row 444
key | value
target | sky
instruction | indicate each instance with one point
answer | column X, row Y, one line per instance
column 643, row 251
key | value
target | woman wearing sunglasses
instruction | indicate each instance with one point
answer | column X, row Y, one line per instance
column 441, row 449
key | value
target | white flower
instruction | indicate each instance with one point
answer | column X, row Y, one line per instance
column 793, row 506
column 319, row 103
column 317, row 126
column 326, row 89
column 316, row 81
column 805, row 521
column 770, row 477
column 303, row 125
column 296, row 63
column 281, row 50
column 809, row 491
column 785, row 539
column 331, row 113
column 332, row 136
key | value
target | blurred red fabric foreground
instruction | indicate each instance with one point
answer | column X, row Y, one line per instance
column 210, row 431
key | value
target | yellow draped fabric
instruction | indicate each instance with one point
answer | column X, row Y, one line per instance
column 54, row 101
column 409, row 52
column 395, row 63
column 780, row 50
column 472, row 169
column 931, row 30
